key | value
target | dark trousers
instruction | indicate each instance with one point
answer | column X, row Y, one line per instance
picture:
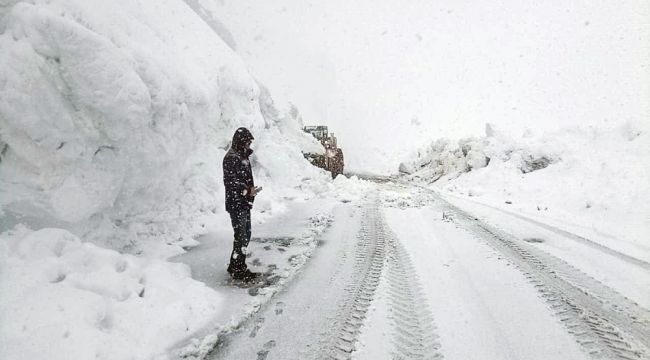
column 241, row 225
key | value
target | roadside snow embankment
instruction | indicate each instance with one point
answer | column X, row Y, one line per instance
column 594, row 178
column 114, row 119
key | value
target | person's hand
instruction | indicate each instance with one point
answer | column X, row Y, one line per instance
column 252, row 191
column 255, row 190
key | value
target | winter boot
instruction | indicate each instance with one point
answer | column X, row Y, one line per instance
column 246, row 275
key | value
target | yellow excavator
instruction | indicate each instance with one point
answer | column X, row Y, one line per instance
column 332, row 160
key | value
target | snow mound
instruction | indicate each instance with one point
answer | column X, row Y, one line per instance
column 114, row 118
column 592, row 177
column 65, row 299
column 446, row 160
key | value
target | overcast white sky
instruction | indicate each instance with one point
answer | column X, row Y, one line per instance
column 389, row 75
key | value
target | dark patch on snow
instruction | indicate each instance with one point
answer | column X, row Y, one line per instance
column 3, row 152
column 213, row 22
column 121, row 266
column 253, row 291
column 106, row 323
column 465, row 149
column 262, row 354
column 531, row 164
column 279, row 308
column 257, row 327
column 534, row 240
column 103, row 147
column 58, row 279
column 280, row 241
column 292, row 258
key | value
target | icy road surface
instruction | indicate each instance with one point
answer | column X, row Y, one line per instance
column 404, row 274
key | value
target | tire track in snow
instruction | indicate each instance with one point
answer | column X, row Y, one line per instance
column 607, row 324
column 414, row 334
column 379, row 255
column 569, row 235
column 352, row 310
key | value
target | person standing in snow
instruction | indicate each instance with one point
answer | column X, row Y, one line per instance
column 240, row 194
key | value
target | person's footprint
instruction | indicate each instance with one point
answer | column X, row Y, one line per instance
column 267, row 247
column 257, row 327
column 262, row 354
column 257, row 262
column 279, row 308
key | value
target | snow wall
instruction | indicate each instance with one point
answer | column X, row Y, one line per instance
column 115, row 116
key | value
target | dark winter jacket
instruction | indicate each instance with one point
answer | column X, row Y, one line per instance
column 237, row 173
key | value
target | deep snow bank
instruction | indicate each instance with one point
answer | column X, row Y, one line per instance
column 596, row 178
column 114, row 118
column 73, row 300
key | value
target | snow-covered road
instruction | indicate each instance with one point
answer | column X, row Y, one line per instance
column 405, row 274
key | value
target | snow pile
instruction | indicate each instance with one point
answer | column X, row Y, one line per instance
column 350, row 189
column 114, row 118
column 73, row 300
column 446, row 160
column 596, row 178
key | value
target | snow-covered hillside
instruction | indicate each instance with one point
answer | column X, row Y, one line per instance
column 586, row 176
column 114, row 119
